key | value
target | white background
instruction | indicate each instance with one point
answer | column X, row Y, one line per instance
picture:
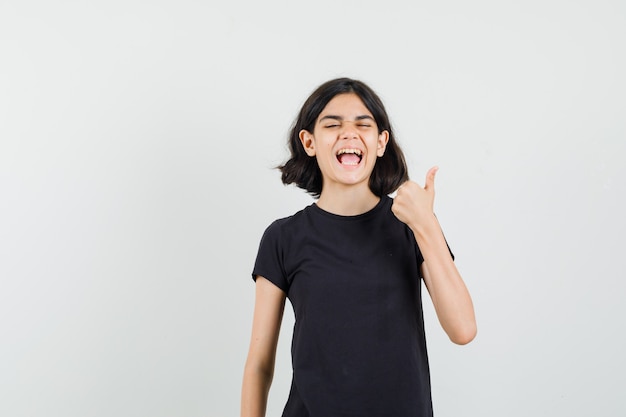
column 137, row 141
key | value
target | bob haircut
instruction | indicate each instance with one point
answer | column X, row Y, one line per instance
column 390, row 170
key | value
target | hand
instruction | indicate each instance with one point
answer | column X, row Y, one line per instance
column 413, row 204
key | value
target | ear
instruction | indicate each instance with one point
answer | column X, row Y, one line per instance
column 383, row 138
column 306, row 138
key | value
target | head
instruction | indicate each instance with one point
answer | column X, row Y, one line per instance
column 390, row 169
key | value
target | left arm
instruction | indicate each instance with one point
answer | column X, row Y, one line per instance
column 413, row 205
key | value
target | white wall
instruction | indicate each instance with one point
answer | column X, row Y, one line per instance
column 136, row 147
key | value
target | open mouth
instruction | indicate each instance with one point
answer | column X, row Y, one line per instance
column 349, row 156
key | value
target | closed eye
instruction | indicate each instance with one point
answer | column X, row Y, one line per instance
column 331, row 121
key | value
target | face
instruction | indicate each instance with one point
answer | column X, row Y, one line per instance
column 345, row 141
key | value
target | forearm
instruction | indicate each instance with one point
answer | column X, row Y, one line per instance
column 255, row 390
column 259, row 369
column 448, row 292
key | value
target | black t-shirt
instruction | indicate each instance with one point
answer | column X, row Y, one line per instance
column 354, row 283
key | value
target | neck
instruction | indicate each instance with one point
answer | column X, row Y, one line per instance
column 350, row 201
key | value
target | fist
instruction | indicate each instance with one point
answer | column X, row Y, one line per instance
column 414, row 204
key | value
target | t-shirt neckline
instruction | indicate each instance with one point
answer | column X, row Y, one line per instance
column 316, row 209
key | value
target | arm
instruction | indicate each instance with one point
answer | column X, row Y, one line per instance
column 414, row 206
column 259, row 368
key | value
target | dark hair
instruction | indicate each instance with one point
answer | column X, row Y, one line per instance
column 390, row 170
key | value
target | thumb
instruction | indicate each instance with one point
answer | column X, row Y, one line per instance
column 430, row 179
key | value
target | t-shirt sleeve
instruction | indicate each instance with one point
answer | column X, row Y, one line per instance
column 449, row 250
column 269, row 259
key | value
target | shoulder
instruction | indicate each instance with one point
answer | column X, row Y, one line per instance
column 286, row 224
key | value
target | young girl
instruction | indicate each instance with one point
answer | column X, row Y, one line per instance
column 351, row 265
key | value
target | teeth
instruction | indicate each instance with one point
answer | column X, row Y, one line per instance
column 354, row 151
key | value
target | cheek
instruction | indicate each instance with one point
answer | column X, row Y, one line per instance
column 327, row 149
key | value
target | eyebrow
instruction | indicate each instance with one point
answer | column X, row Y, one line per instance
column 339, row 118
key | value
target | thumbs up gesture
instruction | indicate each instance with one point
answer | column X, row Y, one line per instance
column 414, row 204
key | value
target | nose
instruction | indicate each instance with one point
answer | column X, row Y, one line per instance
column 348, row 130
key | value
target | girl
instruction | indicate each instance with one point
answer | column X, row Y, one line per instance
column 351, row 265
